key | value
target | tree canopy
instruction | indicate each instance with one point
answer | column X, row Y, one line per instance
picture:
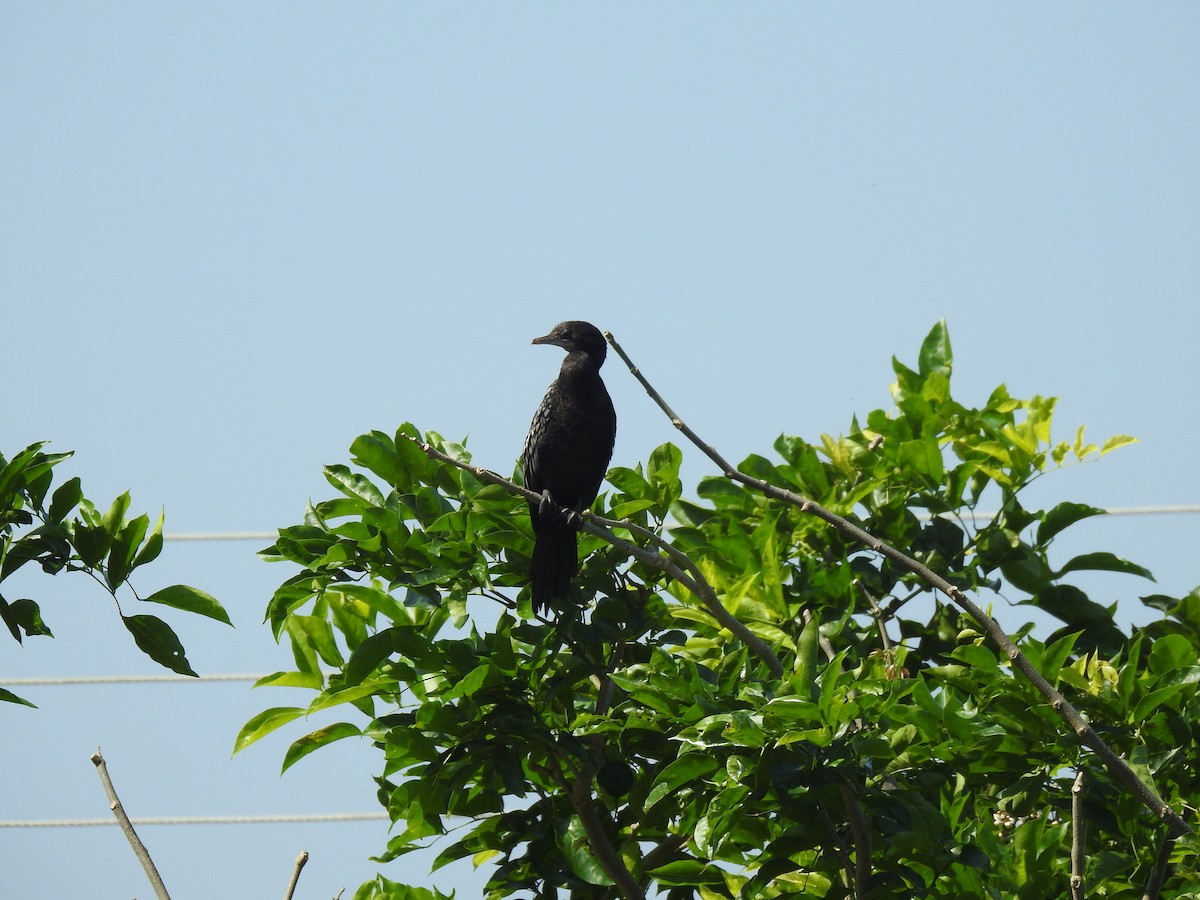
column 755, row 690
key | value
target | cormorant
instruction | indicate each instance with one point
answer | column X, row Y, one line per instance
column 566, row 454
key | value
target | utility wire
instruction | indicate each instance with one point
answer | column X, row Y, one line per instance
column 1168, row 510
column 126, row 679
column 197, row 820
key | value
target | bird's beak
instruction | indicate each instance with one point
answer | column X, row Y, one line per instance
column 549, row 339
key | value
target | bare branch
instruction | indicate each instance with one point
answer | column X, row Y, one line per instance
column 300, row 861
column 1158, row 875
column 139, row 849
column 862, row 841
column 579, row 792
column 1086, row 734
column 1078, row 839
column 692, row 579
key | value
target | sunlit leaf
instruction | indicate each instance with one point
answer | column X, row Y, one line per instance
column 317, row 739
column 194, row 600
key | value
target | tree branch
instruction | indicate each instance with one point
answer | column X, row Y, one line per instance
column 579, row 793
column 1078, row 837
column 862, row 841
column 1158, row 875
column 601, row 527
column 139, row 849
column 1083, row 731
column 300, row 861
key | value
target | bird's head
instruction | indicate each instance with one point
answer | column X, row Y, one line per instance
column 576, row 336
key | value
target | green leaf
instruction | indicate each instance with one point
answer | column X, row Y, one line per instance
column 338, row 696
column 89, row 537
column 123, row 549
column 686, row 768
column 8, row 696
column 1062, row 516
column 1103, row 562
column 805, row 679
column 936, row 355
column 155, row 638
column 263, row 724
column 924, row 456
column 115, row 517
column 23, row 615
column 663, row 472
column 20, row 470
column 368, row 655
column 579, row 856
column 291, row 679
column 65, row 499
column 470, row 683
column 353, row 485
column 315, row 633
column 153, row 545
column 1117, row 441
column 377, row 452
column 1072, row 606
column 316, row 740
column 194, row 600
column 688, row 873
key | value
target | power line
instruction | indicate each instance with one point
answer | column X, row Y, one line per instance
column 126, row 679
column 197, row 820
column 1166, row 510
column 221, row 536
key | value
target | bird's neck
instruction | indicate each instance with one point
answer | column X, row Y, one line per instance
column 579, row 367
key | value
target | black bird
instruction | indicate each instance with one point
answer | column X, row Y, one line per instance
column 566, row 455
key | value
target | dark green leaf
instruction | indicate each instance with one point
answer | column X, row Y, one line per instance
column 153, row 545
column 1062, row 516
column 1104, row 562
column 377, row 452
column 353, row 485
column 65, row 499
column 155, row 638
column 7, row 696
column 24, row 615
column 123, row 549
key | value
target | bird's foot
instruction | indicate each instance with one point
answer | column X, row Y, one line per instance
column 573, row 519
column 546, row 504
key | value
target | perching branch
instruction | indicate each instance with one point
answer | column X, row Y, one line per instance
column 673, row 564
column 1058, row 702
column 139, row 849
column 300, row 861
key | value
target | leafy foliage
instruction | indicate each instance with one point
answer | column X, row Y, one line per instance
column 633, row 744
column 38, row 526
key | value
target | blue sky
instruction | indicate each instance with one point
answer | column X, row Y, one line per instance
column 234, row 236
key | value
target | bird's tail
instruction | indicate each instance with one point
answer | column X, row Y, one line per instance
column 555, row 561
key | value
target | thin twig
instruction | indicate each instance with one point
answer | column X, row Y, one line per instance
column 1078, row 839
column 300, row 861
column 692, row 579
column 139, row 849
column 1058, row 702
